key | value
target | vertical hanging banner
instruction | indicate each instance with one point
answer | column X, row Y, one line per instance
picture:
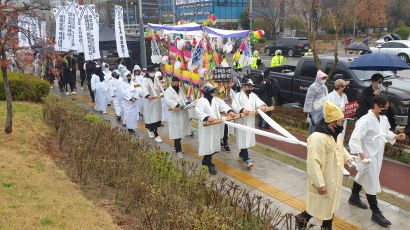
column 34, row 29
column 90, row 33
column 59, row 15
column 43, row 29
column 23, row 34
column 69, row 26
column 78, row 31
column 120, row 38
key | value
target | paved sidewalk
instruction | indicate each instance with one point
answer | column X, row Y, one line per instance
column 394, row 176
column 282, row 183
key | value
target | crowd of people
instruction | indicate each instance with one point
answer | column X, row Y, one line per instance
column 327, row 155
column 143, row 94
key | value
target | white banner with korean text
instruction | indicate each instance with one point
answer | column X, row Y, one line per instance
column 120, row 38
column 90, row 33
column 59, row 15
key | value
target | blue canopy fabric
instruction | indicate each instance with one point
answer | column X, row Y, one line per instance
column 191, row 27
column 227, row 33
column 379, row 62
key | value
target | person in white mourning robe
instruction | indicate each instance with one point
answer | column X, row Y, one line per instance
column 137, row 79
column 368, row 139
column 209, row 108
column 339, row 98
column 179, row 123
column 101, row 90
column 244, row 102
column 107, row 77
column 129, row 97
column 164, row 106
column 115, row 91
column 152, row 105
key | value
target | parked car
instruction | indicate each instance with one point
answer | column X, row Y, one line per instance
column 400, row 48
column 387, row 38
column 290, row 46
column 290, row 83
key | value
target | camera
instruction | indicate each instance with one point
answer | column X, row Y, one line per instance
column 387, row 83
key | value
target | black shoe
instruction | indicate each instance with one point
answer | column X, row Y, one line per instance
column 131, row 131
column 355, row 200
column 380, row 219
column 108, row 104
column 118, row 118
column 212, row 170
column 226, row 148
column 301, row 222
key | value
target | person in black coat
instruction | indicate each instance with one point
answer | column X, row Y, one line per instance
column 265, row 93
column 81, row 68
column 368, row 94
column 73, row 72
column 90, row 69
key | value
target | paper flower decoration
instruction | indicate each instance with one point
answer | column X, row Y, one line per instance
column 243, row 46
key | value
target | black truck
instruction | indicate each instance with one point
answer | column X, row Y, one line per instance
column 290, row 83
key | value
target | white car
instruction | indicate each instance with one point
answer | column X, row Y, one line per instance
column 400, row 48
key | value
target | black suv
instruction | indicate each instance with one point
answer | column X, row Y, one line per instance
column 290, row 46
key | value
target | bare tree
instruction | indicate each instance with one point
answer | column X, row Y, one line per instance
column 10, row 10
column 307, row 11
column 270, row 15
column 338, row 10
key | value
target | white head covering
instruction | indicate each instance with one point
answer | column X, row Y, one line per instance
column 158, row 74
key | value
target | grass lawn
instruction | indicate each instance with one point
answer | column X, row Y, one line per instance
column 34, row 192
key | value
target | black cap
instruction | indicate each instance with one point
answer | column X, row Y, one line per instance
column 175, row 79
column 150, row 68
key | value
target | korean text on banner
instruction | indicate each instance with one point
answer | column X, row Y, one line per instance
column 59, row 15
column 350, row 109
column 90, row 33
column 120, row 38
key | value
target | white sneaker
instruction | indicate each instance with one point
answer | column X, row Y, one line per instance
column 104, row 112
column 158, row 139
column 82, row 88
column 73, row 93
column 67, row 93
column 179, row 155
column 51, row 87
column 346, row 173
column 151, row 134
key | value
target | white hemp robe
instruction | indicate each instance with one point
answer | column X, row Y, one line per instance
column 245, row 139
column 115, row 91
column 131, row 111
column 209, row 136
column 369, row 137
column 152, row 109
column 340, row 101
column 179, row 123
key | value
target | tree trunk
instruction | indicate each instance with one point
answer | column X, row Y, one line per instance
column 7, row 92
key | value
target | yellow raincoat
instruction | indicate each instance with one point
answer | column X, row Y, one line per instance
column 325, row 161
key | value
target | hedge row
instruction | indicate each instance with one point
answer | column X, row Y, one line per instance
column 150, row 186
column 25, row 87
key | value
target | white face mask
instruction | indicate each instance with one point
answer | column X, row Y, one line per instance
column 323, row 81
column 380, row 86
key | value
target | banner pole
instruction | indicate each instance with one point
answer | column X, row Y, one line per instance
column 142, row 37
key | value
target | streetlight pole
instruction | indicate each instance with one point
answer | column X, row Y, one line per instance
column 142, row 37
column 126, row 8
column 250, row 18
column 174, row 14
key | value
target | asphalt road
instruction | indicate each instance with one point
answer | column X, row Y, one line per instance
column 294, row 61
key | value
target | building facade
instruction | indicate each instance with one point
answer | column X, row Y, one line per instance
column 226, row 11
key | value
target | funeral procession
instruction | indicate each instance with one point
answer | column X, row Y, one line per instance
column 205, row 114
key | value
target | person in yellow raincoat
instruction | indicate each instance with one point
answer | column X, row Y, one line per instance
column 326, row 157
